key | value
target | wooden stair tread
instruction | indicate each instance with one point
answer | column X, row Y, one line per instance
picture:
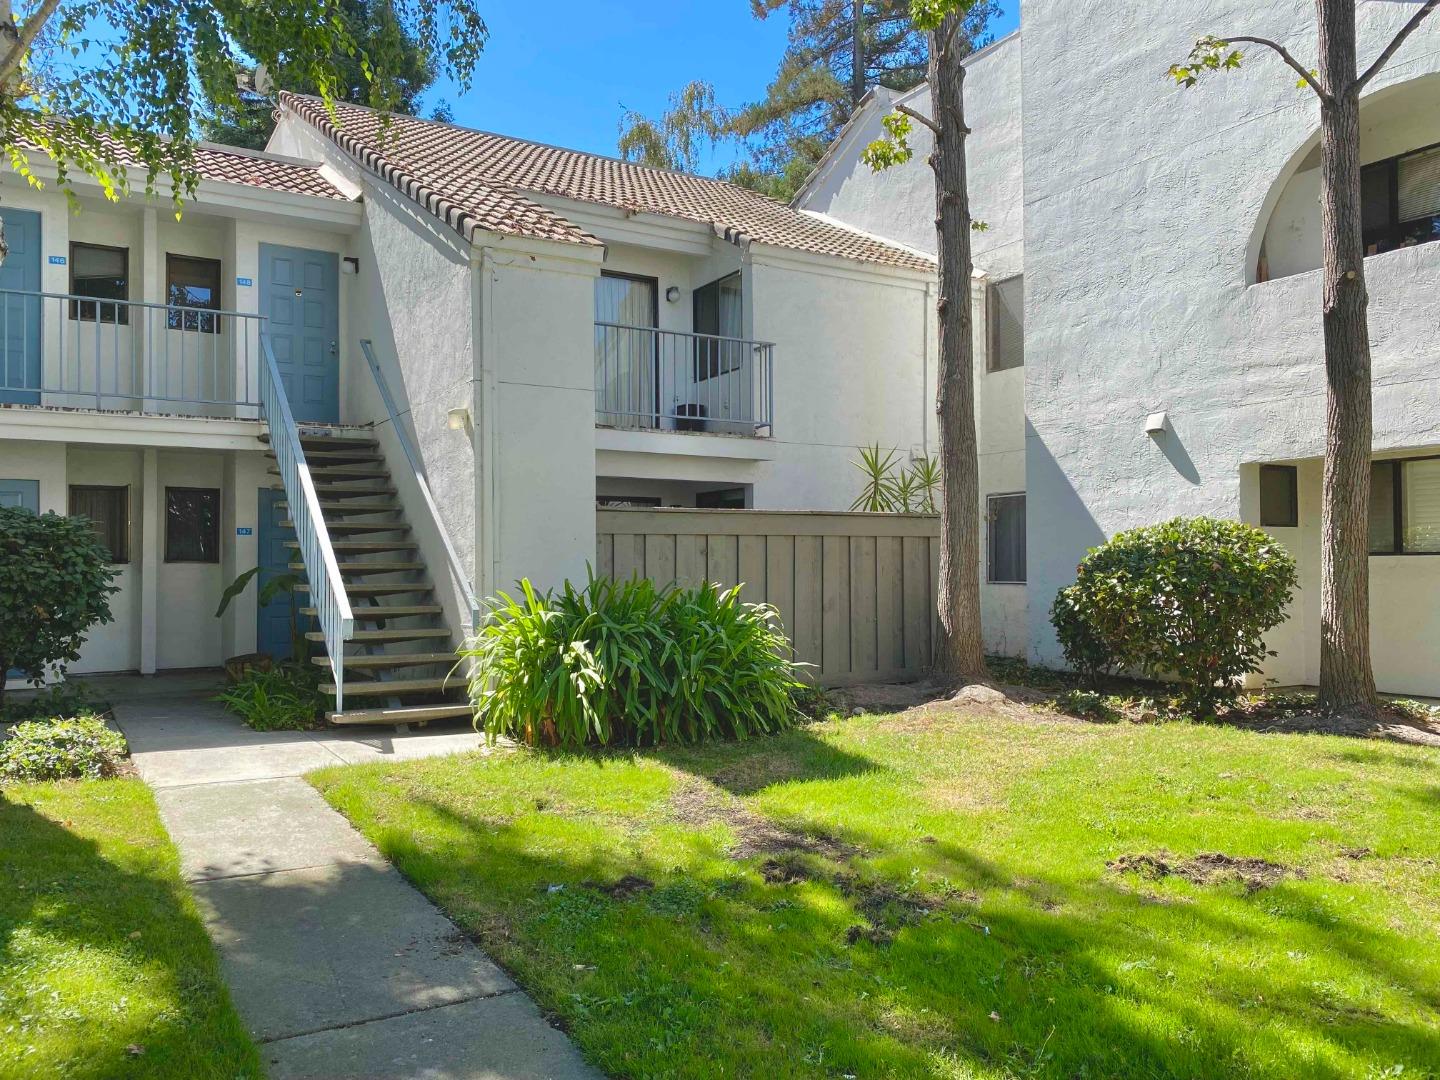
column 370, row 662
column 360, row 547
column 380, row 612
column 341, row 472
column 388, row 687
column 411, row 714
column 336, row 491
column 350, row 507
column 358, row 456
column 377, row 637
column 389, row 588
column 329, row 440
column 357, row 526
column 376, row 566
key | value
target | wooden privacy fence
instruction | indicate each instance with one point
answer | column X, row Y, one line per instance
column 856, row 592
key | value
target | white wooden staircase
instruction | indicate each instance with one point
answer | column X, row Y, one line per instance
column 397, row 663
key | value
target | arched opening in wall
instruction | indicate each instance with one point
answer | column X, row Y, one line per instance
column 1400, row 156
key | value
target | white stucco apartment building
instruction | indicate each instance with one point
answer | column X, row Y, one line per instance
column 552, row 329
column 1157, row 251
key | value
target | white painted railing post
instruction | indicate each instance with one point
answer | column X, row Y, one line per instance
column 327, row 587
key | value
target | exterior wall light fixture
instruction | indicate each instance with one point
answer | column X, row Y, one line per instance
column 672, row 293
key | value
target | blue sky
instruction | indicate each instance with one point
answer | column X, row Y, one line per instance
column 563, row 72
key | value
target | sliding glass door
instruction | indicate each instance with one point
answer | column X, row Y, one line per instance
column 626, row 357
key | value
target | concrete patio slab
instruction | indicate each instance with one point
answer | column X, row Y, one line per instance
column 438, row 1044
column 231, row 830
column 305, row 950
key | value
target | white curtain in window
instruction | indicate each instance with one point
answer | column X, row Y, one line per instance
column 625, row 352
column 1420, row 504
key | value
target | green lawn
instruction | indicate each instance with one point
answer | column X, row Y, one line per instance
column 929, row 896
column 105, row 969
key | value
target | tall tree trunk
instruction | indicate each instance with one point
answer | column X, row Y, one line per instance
column 1346, row 681
column 961, row 652
column 857, row 54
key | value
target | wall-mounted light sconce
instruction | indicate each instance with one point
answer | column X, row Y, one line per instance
column 350, row 265
column 672, row 293
column 1156, row 424
column 459, row 420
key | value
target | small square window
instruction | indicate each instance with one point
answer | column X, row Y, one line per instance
column 192, row 525
column 108, row 509
column 104, row 273
column 1005, row 515
column 192, row 283
column 1006, row 315
column 1279, row 496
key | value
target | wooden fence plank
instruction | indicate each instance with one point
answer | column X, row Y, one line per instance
column 724, row 568
column 752, row 568
column 855, row 592
column 689, row 561
column 890, row 603
column 809, row 606
column 660, row 558
column 916, row 556
column 835, row 605
column 863, row 636
column 780, row 579
column 629, row 557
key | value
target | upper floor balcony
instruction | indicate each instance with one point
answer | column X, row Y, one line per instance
column 666, row 380
column 71, row 351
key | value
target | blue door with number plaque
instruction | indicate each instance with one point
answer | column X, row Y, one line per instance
column 300, row 295
column 273, row 628
column 20, row 316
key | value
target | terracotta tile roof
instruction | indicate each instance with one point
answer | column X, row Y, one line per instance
column 232, row 165
column 272, row 173
column 479, row 179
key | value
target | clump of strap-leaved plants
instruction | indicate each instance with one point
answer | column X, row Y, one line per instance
column 630, row 663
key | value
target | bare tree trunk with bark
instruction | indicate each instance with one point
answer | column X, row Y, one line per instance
column 1347, row 683
column 962, row 651
column 857, row 53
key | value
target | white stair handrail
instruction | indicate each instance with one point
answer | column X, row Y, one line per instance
column 327, row 587
column 457, row 569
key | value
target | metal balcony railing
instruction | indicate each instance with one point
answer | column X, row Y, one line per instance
column 664, row 380
column 127, row 356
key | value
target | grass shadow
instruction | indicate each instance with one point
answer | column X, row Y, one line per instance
column 105, row 968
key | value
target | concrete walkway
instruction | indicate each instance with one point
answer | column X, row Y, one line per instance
column 338, row 966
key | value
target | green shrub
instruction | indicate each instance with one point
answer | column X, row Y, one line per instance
column 1190, row 598
column 54, row 586
column 61, row 699
column 627, row 663
column 285, row 698
column 79, row 747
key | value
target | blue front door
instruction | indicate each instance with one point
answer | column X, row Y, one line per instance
column 300, row 294
column 20, row 315
column 273, row 629
column 24, row 494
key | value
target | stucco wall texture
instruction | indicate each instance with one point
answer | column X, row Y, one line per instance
column 1142, row 212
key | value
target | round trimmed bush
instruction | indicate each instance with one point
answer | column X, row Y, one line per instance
column 1190, row 598
column 54, row 586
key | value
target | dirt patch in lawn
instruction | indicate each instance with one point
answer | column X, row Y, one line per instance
column 1207, row 868
column 627, row 888
column 699, row 804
